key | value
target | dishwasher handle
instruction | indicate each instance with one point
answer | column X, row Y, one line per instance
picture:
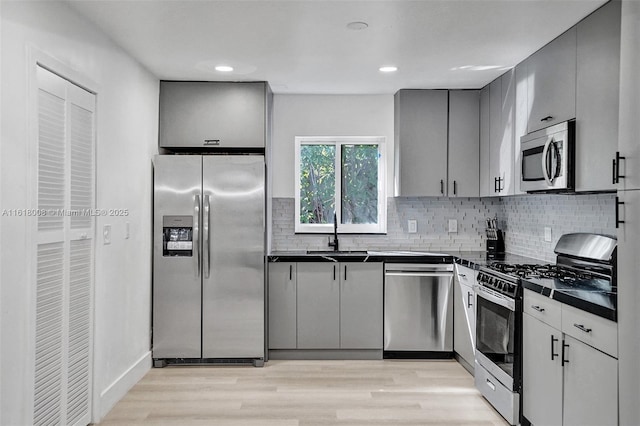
column 418, row 274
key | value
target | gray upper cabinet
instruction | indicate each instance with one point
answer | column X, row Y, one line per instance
column 421, row 142
column 552, row 82
column 521, row 121
column 361, row 305
column 464, row 143
column 597, row 99
column 485, row 141
column 501, row 114
column 282, row 305
column 213, row 114
column 318, row 305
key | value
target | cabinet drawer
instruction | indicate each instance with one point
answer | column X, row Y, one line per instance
column 543, row 308
column 595, row 331
column 466, row 276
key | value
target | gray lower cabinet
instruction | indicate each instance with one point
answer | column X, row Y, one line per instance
column 323, row 305
column 464, row 314
column 282, row 305
column 569, row 372
column 361, row 320
column 541, row 372
column 318, row 302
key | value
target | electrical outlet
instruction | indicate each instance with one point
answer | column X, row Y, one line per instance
column 106, row 234
column 547, row 234
column 453, row 225
column 412, row 226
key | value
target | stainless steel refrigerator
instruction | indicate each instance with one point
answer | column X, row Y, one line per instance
column 208, row 258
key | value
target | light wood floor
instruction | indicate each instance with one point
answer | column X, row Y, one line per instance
column 305, row 393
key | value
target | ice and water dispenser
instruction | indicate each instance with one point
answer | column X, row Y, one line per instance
column 177, row 236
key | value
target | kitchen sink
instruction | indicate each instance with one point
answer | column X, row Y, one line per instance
column 337, row 253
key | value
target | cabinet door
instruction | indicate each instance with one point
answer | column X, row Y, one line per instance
column 590, row 386
column 597, row 99
column 628, row 302
column 192, row 113
column 485, row 142
column 521, row 120
column 421, row 142
column 318, row 304
column 507, row 132
column 464, row 321
column 282, row 305
column 629, row 143
column 495, row 134
column 361, row 305
column 552, row 82
column 541, row 375
column 464, row 143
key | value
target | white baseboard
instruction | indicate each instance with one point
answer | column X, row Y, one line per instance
column 119, row 388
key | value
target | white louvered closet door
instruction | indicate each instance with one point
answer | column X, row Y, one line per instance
column 64, row 252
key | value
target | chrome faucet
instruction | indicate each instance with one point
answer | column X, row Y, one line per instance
column 334, row 244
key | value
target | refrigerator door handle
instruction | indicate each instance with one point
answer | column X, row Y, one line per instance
column 205, row 239
column 196, row 232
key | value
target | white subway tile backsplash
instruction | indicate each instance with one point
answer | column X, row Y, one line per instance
column 522, row 219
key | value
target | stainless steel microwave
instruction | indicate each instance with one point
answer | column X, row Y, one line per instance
column 546, row 159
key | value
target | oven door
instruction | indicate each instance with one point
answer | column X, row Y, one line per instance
column 495, row 334
column 545, row 159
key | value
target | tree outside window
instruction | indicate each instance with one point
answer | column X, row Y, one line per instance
column 344, row 176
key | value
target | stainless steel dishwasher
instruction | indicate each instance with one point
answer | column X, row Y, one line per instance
column 418, row 309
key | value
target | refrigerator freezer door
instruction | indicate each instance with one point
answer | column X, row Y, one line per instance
column 176, row 271
column 233, row 283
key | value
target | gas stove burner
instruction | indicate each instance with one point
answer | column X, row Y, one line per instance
column 519, row 270
column 564, row 274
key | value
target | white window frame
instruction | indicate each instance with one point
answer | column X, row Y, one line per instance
column 338, row 141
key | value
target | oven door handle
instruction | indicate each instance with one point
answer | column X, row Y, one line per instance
column 498, row 300
column 546, row 160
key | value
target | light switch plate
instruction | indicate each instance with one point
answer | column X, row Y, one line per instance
column 453, row 225
column 412, row 226
column 547, row 234
column 106, row 234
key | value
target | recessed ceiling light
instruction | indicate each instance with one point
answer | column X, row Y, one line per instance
column 388, row 69
column 357, row 25
column 224, row 68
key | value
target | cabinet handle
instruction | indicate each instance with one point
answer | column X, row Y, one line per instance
column 334, row 272
column 616, row 168
column 553, row 354
column 547, row 118
column 500, row 187
column 455, row 189
column 491, row 385
column 290, row 272
column 564, row 361
column 613, row 169
column 211, row 142
column 345, row 272
column 537, row 308
column 469, row 295
column 442, row 186
column 495, row 184
column 582, row 327
column 618, row 204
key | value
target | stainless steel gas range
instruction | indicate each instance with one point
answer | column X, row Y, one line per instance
column 584, row 276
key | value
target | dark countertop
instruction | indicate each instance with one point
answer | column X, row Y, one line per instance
column 355, row 256
column 589, row 295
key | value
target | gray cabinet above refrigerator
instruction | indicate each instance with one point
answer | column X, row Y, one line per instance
column 204, row 115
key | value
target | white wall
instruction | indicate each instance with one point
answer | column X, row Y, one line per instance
column 127, row 105
column 326, row 115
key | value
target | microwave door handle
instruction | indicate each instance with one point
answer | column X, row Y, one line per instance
column 545, row 161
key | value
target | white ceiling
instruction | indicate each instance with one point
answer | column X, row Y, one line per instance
column 304, row 46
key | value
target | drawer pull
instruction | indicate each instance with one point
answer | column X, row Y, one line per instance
column 582, row 327
column 491, row 385
column 537, row 308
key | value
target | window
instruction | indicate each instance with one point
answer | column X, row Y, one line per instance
column 344, row 176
